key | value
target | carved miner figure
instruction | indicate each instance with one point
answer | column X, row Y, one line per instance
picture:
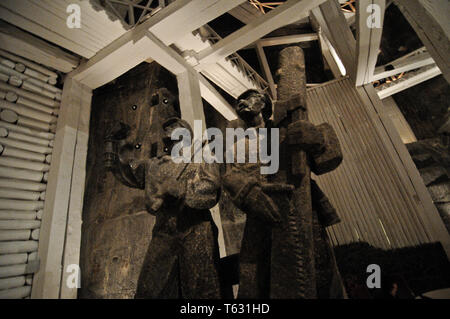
column 182, row 258
column 285, row 251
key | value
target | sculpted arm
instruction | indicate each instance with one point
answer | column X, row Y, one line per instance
column 320, row 142
column 129, row 172
column 251, row 196
column 202, row 192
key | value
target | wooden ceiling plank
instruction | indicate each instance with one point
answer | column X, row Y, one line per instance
column 25, row 45
column 289, row 12
column 368, row 38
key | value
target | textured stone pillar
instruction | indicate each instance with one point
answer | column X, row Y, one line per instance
column 292, row 268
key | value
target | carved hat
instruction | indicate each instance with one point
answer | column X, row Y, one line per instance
column 179, row 122
column 267, row 110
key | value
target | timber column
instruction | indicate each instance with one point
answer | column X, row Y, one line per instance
column 292, row 260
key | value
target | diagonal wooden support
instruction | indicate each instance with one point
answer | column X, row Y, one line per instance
column 245, row 13
column 331, row 57
column 429, row 18
column 409, row 80
column 431, row 219
column 195, row 14
column 369, row 28
column 266, row 69
column 333, row 24
column 403, row 64
column 290, row 11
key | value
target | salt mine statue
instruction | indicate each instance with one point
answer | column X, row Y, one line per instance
column 285, row 251
column 182, row 258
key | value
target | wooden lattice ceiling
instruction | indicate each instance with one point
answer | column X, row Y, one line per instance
column 265, row 6
column 133, row 12
column 349, row 6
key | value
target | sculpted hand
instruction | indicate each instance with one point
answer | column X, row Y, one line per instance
column 172, row 187
column 306, row 136
column 262, row 206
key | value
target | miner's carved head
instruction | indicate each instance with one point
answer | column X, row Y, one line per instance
column 253, row 104
column 168, row 127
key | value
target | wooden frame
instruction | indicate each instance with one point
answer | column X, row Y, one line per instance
column 367, row 39
column 64, row 197
column 266, row 69
column 408, row 80
column 410, row 174
column 23, row 44
column 416, row 59
column 287, row 39
column 290, row 11
column 429, row 18
column 334, row 27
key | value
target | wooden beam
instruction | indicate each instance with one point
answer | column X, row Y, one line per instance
column 150, row 40
column 245, row 12
column 288, row 39
column 290, row 11
column 210, row 94
column 331, row 57
column 432, row 220
column 191, row 104
column 403, row 64
column 115, row 60
column 72, row 242
column 125, row 53
column 131, row 49
column 266, row 69
column 392, row 110
column 333, row 24
column 429, row 18
column 409, row 80
column 140, row 45
column 59, row 197
column 190, row 17
column 215, row 214
column 329, row 53
column 331, row 19
column 47, row 19
column 369, row 28
column 26, row 45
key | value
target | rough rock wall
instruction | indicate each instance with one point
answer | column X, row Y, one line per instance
column 426, row 107
column 432, row 159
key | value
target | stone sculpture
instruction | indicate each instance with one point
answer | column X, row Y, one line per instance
column 182, row 258
column 285, row 251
